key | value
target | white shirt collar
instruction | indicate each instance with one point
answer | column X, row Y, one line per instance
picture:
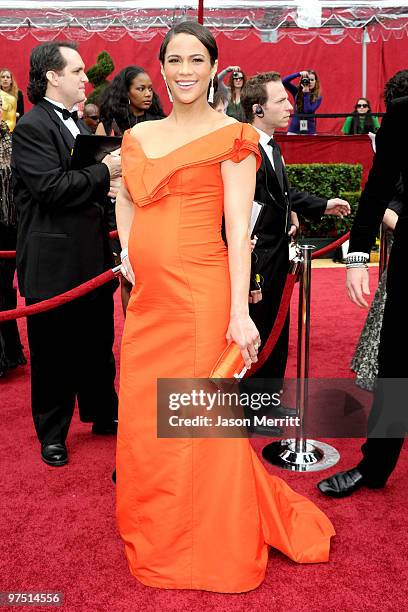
column 69, row 123
column 60, row 104
column 264, row 138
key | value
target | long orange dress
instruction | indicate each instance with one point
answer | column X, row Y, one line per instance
column 193, row 513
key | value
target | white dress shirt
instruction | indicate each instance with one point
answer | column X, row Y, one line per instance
column 264, row 139
column 69, row 123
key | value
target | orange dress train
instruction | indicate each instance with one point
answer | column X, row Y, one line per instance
column 193, row 513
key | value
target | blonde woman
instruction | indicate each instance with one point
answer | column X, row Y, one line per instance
column 9, row 85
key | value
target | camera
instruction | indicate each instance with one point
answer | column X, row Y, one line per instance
column 236, row 75
column 305, row 81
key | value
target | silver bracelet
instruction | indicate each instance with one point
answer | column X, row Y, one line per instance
column 358, row 258
column 356, row 265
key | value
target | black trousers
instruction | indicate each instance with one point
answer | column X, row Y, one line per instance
column 71, row 357
column 380, row 454
column 263, row 315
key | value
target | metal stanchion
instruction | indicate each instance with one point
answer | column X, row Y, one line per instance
column 383, row 251
column 301, row 454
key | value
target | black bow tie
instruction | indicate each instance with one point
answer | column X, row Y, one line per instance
column 65, row 113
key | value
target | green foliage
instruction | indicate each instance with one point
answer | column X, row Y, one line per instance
column 93, row 97
column 328, row 181
column 97, row 76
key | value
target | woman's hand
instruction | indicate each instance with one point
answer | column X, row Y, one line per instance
column 357, row 284
column 390, row 219
column 114, row 187
column 243, row 332
column 126, row 267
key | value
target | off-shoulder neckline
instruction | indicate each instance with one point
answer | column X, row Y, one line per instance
column 186, row 144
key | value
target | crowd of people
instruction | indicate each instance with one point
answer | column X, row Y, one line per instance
column 306, row 95
column 183, row 187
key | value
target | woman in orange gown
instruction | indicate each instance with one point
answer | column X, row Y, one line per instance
column 194, row 513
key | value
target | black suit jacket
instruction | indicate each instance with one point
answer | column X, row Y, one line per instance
column 271, row 251
column 390, row 164
column 62, row 234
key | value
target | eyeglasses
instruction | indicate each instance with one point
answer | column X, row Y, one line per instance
column 94, row 117
column 362, row 105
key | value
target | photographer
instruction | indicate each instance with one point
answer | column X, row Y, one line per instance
column 307, row 100
column 236, row 82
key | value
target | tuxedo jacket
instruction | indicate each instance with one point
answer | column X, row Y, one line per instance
column 390, row 167
column 271, row 251
column 62, row 236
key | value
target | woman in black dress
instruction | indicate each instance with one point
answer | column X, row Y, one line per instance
column 128, row 100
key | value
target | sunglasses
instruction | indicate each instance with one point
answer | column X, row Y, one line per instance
column 237, row 78
column 362, row 105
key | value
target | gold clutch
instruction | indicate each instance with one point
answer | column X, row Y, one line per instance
column 230, row 363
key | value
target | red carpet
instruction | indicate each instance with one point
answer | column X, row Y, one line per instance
column 57, row 525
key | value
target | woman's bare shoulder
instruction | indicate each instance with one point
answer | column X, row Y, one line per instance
column 146, row 129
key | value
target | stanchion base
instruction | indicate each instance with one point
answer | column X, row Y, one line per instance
column 317, row 456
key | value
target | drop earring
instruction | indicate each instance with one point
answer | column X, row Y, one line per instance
column 168, row 91
column 211, row 92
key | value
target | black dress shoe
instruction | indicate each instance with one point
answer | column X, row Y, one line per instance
column 342, row 484
column 54, row 454
column 105, row 429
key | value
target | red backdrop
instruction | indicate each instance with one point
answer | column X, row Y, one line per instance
column 338, row 66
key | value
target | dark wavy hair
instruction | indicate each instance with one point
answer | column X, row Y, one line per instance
column 43, row 58
column 254, row 92
column 396, row 87
column 313, row 94
column 194, row 29
column 368, row 125
column 114, row 101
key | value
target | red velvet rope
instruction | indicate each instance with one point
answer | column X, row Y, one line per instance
column 277, row 326
column 331, row 246
column 12, row 254
column 284, row 307
column 59, row 300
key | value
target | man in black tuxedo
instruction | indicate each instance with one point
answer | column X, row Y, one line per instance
column 388, row 421
column 267, row 108
column 62, row 242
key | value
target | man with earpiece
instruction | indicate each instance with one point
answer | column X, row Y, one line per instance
column 266, row 105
